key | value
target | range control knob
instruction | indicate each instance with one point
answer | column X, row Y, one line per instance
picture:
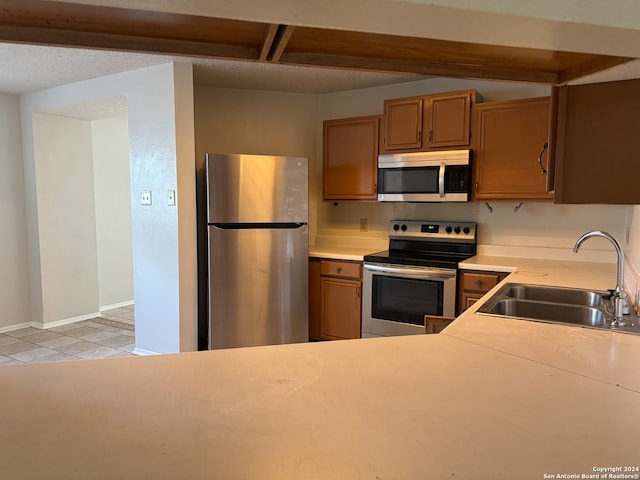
column 403, row 228
column 466, row 230
column 457, row 229
column 396, row 227
column 448, row 229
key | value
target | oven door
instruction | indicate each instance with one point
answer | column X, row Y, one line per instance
column 396, row 298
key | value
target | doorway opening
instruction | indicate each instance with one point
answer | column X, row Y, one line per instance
column 84, row 213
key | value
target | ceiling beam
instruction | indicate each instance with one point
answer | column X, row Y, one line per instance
column 84, row 26
column 282, row 38
column 128, row 43
column 421, row 68
column 268, row 41
column 590, row 67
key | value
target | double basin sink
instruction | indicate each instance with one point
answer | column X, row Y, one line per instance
column 567, row 306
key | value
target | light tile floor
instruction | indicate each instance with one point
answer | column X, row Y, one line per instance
column 110, row 335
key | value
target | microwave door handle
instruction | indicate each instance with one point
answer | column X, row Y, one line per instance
column 441, row 180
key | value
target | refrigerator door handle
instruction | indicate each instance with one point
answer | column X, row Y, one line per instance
column 256, row 226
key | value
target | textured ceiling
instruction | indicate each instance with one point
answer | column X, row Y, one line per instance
column 29, row 68
column 96, row 110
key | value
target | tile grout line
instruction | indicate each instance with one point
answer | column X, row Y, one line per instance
column 96, row 330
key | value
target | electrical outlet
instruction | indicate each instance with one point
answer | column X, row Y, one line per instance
column 145, row 197
column 364, row 224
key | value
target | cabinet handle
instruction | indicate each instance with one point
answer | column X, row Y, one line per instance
column 430, row 135
column 479, row 283
column 420, row 136
column 338, row 269
column 477, row 186
column 544, row 147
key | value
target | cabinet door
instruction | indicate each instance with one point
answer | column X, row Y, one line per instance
column 449, row 120
column 469, row 299
column 315, row 300
column 478, row 282
column 597, row 143
column 403, row 124
column 511, row 137
column 341, row 307
column 350, row 158
column 472, row 285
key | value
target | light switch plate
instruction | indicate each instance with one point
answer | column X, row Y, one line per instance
column 145, row 197
column 171, row 198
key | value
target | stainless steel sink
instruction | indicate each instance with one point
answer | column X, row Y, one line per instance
column 550, row 312
column 567, row 306
column 571, row 296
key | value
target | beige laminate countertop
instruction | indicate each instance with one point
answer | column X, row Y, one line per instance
column 487, row 398
column 341, row 253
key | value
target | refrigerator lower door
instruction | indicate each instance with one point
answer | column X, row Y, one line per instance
column 258, row 286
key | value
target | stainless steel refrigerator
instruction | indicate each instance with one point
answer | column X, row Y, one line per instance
column 258, row 250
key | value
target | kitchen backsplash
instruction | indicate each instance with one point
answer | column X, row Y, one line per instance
column 536, row 230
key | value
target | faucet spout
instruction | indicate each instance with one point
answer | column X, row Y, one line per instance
column 619, row 295
column 616, row 245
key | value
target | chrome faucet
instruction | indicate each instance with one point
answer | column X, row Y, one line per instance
column 618, row 297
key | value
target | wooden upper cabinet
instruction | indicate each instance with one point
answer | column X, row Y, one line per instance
column 350, row 158
column 428, row 122
column 511, row 139
column 403, row 123
column 450, row 119
column 597, row 147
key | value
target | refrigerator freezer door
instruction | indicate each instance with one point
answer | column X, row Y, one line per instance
column 257, row 189
column 258, row 286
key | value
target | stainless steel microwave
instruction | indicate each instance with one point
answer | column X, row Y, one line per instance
column 443, row 176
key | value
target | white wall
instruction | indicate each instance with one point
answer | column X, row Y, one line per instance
column 14, row 271
column 110, row 148
column 632, row 251
column 66, row 207
column 164, row 256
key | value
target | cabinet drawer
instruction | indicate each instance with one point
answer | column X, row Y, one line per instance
column 341, row 269
column 479, row 282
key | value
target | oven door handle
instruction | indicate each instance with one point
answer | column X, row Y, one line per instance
column 413, row 272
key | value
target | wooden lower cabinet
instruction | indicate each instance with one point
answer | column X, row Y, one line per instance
column 434, row 324
column 335, row 299
column 472, row 285
column 315, row 300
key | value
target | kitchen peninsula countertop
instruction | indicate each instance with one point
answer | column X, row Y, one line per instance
column 487, row 398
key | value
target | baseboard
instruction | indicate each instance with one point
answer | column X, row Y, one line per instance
column 41, row 326
column 142, row 351
column 116, row 305
column 17, row 326
column 66, row 321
